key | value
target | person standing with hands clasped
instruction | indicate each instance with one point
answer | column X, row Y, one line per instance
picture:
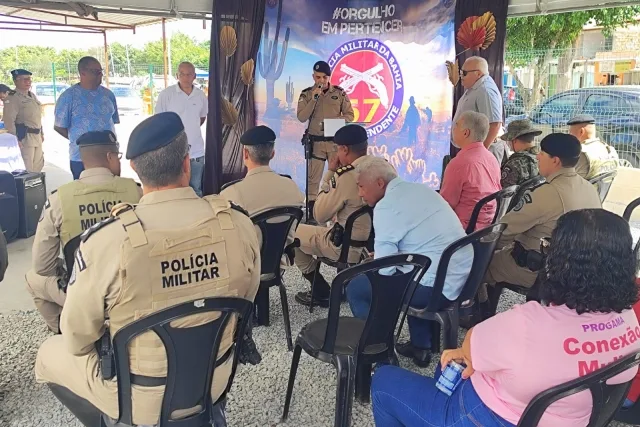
column 317, row 103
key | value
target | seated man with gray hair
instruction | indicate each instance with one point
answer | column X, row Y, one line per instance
column 409, row 218
column 474, row 173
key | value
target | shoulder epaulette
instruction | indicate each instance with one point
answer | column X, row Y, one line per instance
column 138, row 184
column 89, row 231
column 344, row 169
column 54, row 191
column 338, row 87
column 239, row 208
column 307, row 89
column 285, row 175
column 12, row 92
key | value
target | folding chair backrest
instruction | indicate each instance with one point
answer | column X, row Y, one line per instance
column 502, row 198
column 387, row 296
column 192, row 353
column 484, row 243
column 275, row 225
column 607, row 399
column 347, row 241
column 603, row 183
column 527, row 185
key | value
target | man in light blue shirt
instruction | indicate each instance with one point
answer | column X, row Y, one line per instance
column 85, row 107
column 409, row 218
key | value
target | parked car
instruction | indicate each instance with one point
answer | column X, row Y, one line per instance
column 45, row 91
column 512, row 101
column 615, row 108
column 129, row 100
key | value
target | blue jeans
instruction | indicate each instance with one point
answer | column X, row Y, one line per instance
column 359, row 298
column 76, row 168
column 197, row 172
column 403, row 398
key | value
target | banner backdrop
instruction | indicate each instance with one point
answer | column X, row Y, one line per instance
column 388, row 55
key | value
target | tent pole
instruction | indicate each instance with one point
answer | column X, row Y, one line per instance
column 164, row 52
column 106, row 58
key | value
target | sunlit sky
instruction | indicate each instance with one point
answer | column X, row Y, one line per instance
column 142, row 36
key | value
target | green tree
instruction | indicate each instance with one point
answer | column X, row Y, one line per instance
column 534, row 41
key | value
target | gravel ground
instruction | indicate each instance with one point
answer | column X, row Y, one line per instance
column 257, row 396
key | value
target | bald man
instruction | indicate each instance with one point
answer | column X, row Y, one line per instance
column 483, row 96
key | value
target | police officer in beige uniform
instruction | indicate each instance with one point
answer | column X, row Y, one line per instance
column 171, row 248
column 262, row 188
column 339, row 197
column 23, row 118
column 536, row 214
column 70, row 210
column 316, row 103
column 597, row 157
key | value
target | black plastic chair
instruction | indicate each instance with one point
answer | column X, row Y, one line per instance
column 502, row 198
column 347, row 243
column 191, row 360
column 229, row 184
column 527, row 185
column 353, row 345
column 484, row 244
column 69, row 252
column 606, row 398
column 603, row 183
column 274, row 239
column 630, row 208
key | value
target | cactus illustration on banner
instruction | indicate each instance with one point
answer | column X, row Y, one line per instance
column 290, row 93
column 270, row 62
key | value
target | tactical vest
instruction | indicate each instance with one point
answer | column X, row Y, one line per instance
column 600, row 158
column 164, row 267
column 84, row 205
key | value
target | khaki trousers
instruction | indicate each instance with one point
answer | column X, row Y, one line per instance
column 503, row 268
column 33, row 158
column 314, row 241
column 322, row 150
column 80, row 374
column 47, row 297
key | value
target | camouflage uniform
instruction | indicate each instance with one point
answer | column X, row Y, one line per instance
column 520, row 167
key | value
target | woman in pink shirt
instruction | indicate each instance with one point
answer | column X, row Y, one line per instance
column 474, row 173
column 585, row 324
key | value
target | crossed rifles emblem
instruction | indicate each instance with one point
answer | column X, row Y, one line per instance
column 370, row 77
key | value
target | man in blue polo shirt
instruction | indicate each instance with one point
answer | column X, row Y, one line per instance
column 84, row 107
column 409, row 218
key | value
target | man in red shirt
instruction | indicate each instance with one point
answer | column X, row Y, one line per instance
column 474, row 173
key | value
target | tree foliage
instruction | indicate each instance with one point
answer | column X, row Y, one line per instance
column 533, row 41
column 39, row 59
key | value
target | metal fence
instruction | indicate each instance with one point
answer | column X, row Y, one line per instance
column 550, row 87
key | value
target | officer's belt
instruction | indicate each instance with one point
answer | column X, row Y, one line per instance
column 317, row 138
column 29, row 130
column 144, row 381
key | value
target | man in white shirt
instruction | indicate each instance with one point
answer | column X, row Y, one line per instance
column 191, row 104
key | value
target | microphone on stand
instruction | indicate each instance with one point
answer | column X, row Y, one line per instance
column 317, row 96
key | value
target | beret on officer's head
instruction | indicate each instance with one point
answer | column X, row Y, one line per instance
column 154, row 132
column 20, row 72
column 258, row 135
column 4, row 88
column 350, row 135
column 322, row 67
column 561, row 145
column 100, row 137
column 580, row 119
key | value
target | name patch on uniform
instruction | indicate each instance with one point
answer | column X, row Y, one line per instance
column 334, row 97
column 93, row 209
column 192, row 270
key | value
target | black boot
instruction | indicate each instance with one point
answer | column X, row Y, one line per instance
column 321, row 290
column 420, row 356
column 310, row 219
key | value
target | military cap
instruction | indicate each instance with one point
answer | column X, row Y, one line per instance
column 154, row 132
column 322, row 67
column 20, row 72
column 517, row 128
column 350, row 135
column 100, row 137
column 4, row 88
column 257, row 136
column 580, row 119
column 561, row 145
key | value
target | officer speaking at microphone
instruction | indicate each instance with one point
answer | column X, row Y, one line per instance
column 69, row 211
column 317, row 103
column 23, row 118
column 170, row 248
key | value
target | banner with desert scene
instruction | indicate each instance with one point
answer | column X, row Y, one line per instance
column 389, row 57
